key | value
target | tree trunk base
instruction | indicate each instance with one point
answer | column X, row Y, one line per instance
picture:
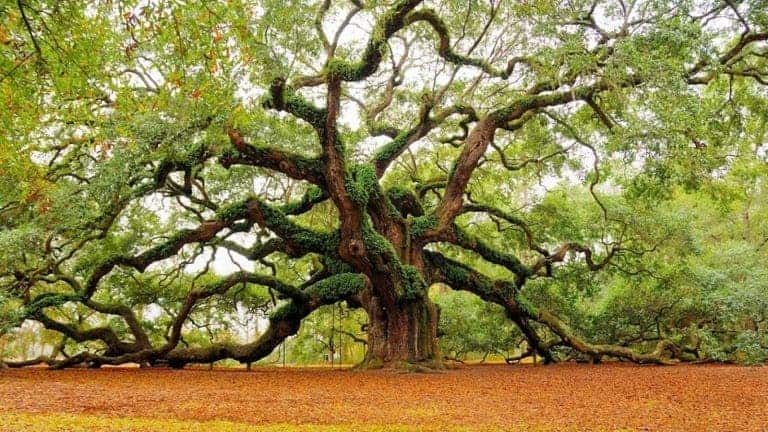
column 402, row 336
column 403, row 366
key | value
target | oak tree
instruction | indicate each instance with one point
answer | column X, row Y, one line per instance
column 347, row 151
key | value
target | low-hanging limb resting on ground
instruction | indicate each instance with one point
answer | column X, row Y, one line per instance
column 461, row 277
column 283, row 322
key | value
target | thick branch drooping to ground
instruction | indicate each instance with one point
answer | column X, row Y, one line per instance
column 461, row 277
column 284, row 322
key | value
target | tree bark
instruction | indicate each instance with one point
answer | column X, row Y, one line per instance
column 402, row 335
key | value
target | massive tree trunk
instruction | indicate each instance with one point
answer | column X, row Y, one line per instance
column 402, row 334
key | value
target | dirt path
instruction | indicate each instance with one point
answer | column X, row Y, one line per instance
column 563, row 397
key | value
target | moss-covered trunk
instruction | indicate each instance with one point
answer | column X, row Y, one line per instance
column 402, row 334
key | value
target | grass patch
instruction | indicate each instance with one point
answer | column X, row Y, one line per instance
column 58, row 422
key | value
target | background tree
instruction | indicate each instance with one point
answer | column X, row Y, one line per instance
column 352, row 151
column 468, row 326
column 702, row 287
column 331, row 335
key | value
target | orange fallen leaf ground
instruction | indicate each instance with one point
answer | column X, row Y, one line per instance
column 561, row 397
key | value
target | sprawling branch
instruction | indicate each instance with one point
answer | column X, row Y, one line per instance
column 284, row 322
column 389, row 24
column 462, row 277
column 385, row 155
column 293, row 165
column 560, row 253
column 512, row 219
column 446, row 51
column 297, row 241
column 536, row 98
column 473, row 243
column 569, row 338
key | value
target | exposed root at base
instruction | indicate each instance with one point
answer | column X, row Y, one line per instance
column 401, row 366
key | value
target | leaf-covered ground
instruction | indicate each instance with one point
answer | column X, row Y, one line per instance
column 560, row 398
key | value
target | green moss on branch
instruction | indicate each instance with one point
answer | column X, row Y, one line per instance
column 422, row 224
column 337, row 287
